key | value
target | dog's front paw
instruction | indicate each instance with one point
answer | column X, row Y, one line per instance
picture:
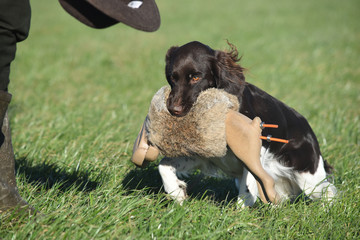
column 178, row 192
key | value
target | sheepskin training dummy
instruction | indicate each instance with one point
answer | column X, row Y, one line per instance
column 212, row 125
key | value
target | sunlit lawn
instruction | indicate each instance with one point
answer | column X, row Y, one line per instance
column 80, row 96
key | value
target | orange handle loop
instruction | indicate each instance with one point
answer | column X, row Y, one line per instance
column 265, row 125
column 269, row 139
column 270, row 125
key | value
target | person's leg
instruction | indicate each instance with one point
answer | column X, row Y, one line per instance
column 9, row 195
column 14, row 27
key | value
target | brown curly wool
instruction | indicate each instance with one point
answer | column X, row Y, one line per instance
column 201, row 132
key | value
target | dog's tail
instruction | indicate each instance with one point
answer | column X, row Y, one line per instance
column 328, row 168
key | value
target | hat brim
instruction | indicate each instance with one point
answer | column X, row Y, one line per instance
column 102, row 14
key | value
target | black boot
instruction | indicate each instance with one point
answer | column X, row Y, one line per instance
column 10, row 198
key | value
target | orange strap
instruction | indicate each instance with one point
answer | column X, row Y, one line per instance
column 264, row 125
column 269, row 138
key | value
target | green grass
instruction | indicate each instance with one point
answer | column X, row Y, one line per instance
column 80, row 96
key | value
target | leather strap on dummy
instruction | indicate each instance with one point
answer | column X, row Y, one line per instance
column 143, row 153
column 243, row 138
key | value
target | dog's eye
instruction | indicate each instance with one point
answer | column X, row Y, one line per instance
column 195, row 78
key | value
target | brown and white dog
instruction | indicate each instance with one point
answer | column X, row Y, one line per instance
column 296, row 166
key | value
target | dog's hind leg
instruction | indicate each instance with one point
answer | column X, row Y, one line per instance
column 169, row 169
column 316, row 185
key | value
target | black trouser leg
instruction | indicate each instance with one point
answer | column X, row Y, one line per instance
column 14, row 27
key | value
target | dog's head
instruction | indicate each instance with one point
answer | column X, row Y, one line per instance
column 195, row 67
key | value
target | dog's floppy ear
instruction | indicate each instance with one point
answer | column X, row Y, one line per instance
column 168, row 59
column 226, row 69
column 169, row 53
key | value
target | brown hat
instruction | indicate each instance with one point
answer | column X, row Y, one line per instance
column 142, row 15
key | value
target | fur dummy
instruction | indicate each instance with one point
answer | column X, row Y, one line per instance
column 201, row 132
column 211, row 128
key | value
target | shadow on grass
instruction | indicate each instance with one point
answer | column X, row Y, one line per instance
column 48, row 175
column 148, row 180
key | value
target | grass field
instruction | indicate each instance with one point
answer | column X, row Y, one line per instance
column 80, row 96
